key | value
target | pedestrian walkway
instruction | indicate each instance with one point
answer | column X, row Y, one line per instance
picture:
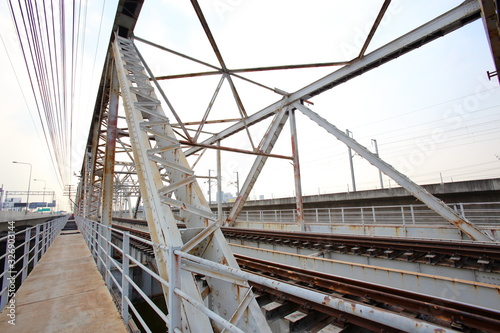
column 64, row 293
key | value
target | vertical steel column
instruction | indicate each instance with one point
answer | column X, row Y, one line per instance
column 26, row 254
column 351, row 163
column 379, row 171
column 296, row 171
column 209, row 187
column 219, row 183
column 109, row 168
column 109, row 160
column 266, row 146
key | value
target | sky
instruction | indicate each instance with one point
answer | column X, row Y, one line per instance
column 433, row 112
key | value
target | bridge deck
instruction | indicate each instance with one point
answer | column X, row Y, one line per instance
column 64, row 293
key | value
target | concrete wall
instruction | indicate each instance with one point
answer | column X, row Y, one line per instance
column 22, row 219
column 486, row 190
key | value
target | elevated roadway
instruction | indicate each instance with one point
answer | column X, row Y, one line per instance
column 483, row 190
column 22, row 219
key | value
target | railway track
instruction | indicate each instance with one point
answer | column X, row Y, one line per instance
column 458, row 316
column 469, row 255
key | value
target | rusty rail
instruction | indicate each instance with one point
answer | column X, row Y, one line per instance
column 436, row 311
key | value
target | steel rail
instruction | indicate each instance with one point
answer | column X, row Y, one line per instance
column 328, row 242
column 435, row 310
column 439, row 311
column 474, row 249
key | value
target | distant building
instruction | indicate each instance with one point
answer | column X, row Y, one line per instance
column 13, row 204
column 227, row 197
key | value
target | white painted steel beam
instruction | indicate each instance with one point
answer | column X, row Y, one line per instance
column 266, row 146
column 155, row 148
column 474, row 232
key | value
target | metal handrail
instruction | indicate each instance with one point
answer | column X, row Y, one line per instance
column 37, row 240
column 480, row 213
column 98, row 238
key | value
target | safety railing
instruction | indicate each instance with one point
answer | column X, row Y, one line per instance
column 99, row 239
column 23, row 250
column 481, row 213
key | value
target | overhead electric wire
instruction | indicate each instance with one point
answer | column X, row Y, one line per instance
column 31, row 82
column 42, row 32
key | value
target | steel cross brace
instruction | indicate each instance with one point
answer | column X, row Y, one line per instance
column 474, row 232
column 266, row 146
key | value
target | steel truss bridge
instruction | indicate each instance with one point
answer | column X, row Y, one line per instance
column 137, row 156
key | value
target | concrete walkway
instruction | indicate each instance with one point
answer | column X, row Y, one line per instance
column 64, row 293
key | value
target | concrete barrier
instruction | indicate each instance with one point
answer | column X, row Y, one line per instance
column 23, row 219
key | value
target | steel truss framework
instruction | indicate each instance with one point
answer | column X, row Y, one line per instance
column 146, row 158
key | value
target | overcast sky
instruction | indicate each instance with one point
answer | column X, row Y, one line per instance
column 433, row 111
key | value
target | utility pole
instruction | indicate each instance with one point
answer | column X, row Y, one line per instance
column 219, row 184
column 374, row 142
column 237, row 183
column 29, row 186
column 209, row 187
column 44, row 187
column 1, row 198
column 349, row 134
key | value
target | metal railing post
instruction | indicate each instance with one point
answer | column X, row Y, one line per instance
column 95, row 239
column 175, row 306
column 26, row 254
column 125, row 273
column 37, row 244
column 100, row 245
column 412, row 214
column 44, row 239
column 108, row 257
column 6, row 276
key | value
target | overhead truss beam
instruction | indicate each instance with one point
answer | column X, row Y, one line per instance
column 461, row 15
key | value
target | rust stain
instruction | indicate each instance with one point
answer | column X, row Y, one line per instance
column 224, row 261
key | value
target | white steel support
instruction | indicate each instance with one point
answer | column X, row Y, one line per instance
column 471, row 230
column 266, row 147
column 296, row 172
column 155, row 147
